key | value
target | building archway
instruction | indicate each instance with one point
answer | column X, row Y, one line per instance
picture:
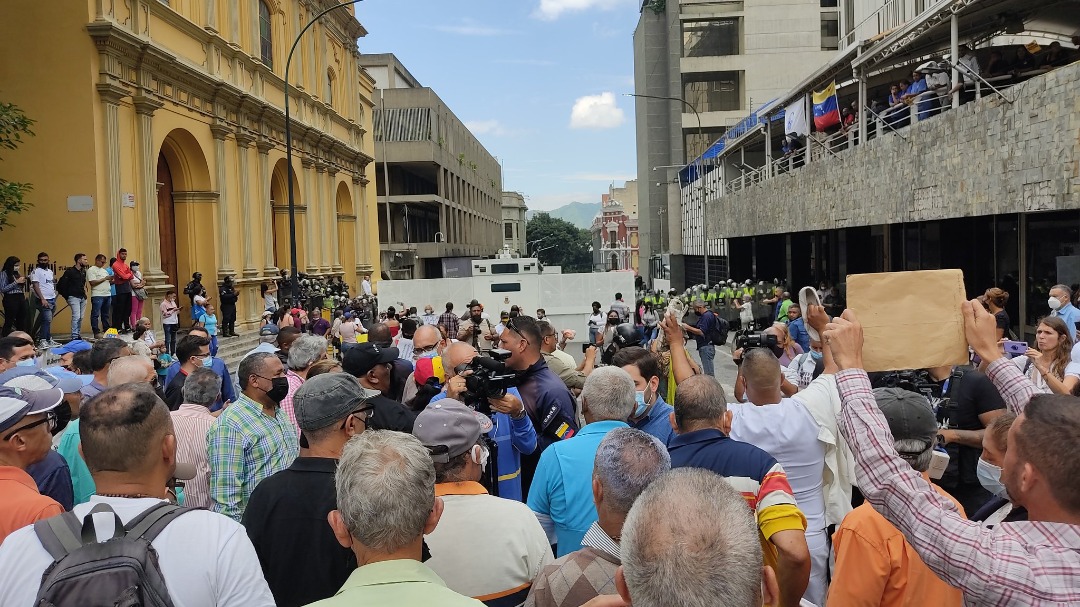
column 186, row 212
column 346, row 232
column 279, row 209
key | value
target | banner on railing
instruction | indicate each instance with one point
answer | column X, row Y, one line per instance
column 826, row 108
column 795, row 117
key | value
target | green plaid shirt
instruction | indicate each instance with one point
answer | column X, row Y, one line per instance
column 244, row 446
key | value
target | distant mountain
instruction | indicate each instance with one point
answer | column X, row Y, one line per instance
column 578, row 213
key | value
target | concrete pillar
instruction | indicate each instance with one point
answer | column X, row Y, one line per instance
column 317, row 217
column 147, row 163
column 336, row 263
column 243, row 143
column 220, row 132
column 211, row 16
column 264, row 211
column 234, row 23
column 359, row 228
column 310, row 258
column 112, row 205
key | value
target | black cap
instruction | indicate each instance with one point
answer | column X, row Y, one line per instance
column 363, row 358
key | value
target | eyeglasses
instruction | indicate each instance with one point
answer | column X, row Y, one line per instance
column 510, row 325
column 357, row 414
column 425, row 349
column 50, row 418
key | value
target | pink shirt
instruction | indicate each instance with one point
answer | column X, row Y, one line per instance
column 295, row 381
column 191, row 423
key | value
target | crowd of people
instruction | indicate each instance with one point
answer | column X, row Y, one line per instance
column 450, row 459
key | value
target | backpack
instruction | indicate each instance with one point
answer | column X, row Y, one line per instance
column 69, row 285
column 719, row 331
column 121, row 571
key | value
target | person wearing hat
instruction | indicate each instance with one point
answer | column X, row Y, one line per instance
column 67, row 351
column 874, row 563
column 268, row 336
column 370, row 364
column 485, row 546
column 286, row 515
column 27, row 420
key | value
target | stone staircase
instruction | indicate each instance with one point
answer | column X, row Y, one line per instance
column 232, row 349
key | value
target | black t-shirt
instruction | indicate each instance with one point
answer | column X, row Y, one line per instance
column 1002, row 318
column 390, row 415
column 286, row 518
column 971, row 396
column 174, row 392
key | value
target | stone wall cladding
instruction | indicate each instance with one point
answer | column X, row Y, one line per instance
column 985, row 158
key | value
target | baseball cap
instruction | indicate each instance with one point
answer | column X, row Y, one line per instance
column 447, row 423
column 426, row 368
column 35, row 379
column 364, row 357
column 268, row 330
column 17, row 403
column 75, row 345
column 909, row 414
column 328, row 398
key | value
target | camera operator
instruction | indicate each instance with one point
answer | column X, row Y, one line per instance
column 767, row 340
column 547, row 399
column 512, row 431
column 972, row 402
column 476, row 330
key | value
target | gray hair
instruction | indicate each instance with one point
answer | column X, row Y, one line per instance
column 305, row 351
column 202, row 387
column 697, row 302
column 916, row 452
column 689, row 539
column 252, row 364
column 609, row 394
column 385, row 489
column 1065, row 288
column 627, row 460
column 129, row 370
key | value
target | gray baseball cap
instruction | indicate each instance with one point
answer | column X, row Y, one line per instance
column 328, row 398
column 447, row 423
column 909, row 414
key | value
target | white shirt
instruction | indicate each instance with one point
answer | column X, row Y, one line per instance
column 365, row 286
column 823, row 402
column 405, row 348
column 597, row 320
column 789, row 433
column 206, row 559
column 800, row 371
column 45, row 281
column 101, row 289
column 1023, row 362
column 968, row 65
column 430, row 319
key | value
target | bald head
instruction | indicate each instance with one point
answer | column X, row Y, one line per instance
column 379, row 334
column 426, row 336
column 459, row 352
column 761, row 370
column 699, row 402
column 134, row 369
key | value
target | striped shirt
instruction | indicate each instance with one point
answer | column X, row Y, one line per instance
column 191, row 423
column 1014, row 563
column 244, row 446
column 451, row 322
column 295, row 381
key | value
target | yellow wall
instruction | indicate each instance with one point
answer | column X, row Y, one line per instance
column 82, row 75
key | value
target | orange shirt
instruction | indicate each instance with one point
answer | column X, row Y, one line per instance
column 20, row 502
column 875, row 565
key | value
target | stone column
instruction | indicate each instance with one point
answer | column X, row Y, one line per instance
column 335, row 245
column 256, row 46
column 234, row 23
column 220, row 132
column 310, row 264
column 112, row 205
column 145, row 106
column 264, row 211
column 211, row 16
column 360, row 226
column 243, row 144
column 317, row 217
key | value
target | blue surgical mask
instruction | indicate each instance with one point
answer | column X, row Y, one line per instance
column 642, row 406
column 208, row 362
column 429, row 354
column 816, row 355
column 27, row 362
column 990, row 478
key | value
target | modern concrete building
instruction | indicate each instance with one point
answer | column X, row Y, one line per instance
column 440, row 191
column 513, row 213
column 724, row 58
column 160, row 128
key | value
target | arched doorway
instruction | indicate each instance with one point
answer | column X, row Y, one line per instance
column 279, row 210
column 346, row 228
column 166, row 217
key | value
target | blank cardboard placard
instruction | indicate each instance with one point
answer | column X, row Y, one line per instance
column 911, row 320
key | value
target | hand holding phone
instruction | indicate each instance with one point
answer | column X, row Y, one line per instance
column 1015, row 348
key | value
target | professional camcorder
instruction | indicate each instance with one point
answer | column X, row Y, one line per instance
column 914, row 380
column 489, row 379
column 755, row 339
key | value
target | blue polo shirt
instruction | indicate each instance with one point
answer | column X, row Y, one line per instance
column 1070, row 315
column 797, row 329
column 562, row 485
column 657, row 422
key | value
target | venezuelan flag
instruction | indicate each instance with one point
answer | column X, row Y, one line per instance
column 826, row 108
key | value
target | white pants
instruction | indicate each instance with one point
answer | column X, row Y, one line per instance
column 818, row 543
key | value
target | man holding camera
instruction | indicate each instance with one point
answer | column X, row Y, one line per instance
column 476, row 330
column 547, row 399
column 511, row 430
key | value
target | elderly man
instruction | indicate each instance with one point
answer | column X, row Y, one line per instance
column 1043, row 565
column 561, row 493
column 561, row 363
column 191, row 422
column 268, row 336
column 511, row 430
column 1060, row 303
column 388, row 477
column 129, row 446
column 306, row 351
column 371, row 365
column 627, row 461
column 252, row 439
column 287, row 512
column 786, row 429
column 428, row 342
column 27, row 419
column 702, row 331
column 486, row 547
column 713, row 530
column 702, row 422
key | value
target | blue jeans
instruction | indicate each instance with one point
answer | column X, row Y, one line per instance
column 78, row 308
column 99, row 308
column 213, row 345
column 170, row 337
column 707, row 354
column 46, row 318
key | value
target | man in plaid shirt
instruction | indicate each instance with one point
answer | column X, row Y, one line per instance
column 450, row 321
column 1033, row 562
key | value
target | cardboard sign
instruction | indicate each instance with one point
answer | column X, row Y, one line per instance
column 911, row 320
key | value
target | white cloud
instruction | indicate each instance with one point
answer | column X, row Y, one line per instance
column 470, row 27
column 596, row 112
column 549, row 10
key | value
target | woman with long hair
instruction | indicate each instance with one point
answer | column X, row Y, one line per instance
column 995, row 302
column 11, row 286
column 1045, row 364
column 783, row 339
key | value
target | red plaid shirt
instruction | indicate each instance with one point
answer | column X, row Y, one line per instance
column 1015, row 563
column 451, row 322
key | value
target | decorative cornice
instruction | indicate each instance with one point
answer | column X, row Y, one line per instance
column 221, row 131
column 307, row 162
column 146, row 104
column 264, row 145
column 111, row 93
column 195, row 197
column 244, row 139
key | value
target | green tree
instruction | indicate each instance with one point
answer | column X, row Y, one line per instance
column 13, row 125
column 562, row 243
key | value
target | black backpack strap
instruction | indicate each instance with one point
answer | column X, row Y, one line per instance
column 89, row 533
column 150, row 523
column 60, row 534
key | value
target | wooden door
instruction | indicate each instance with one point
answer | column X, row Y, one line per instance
column 167, row 222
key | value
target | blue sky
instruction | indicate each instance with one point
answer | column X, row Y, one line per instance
column 539, row 82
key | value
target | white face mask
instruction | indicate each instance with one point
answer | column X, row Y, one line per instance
column 1054, row 303
column 990, row 478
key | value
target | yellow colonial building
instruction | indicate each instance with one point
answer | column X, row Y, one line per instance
column 160, row 128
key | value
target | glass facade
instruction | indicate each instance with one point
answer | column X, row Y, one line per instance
column 712, row 38
column 713, row 91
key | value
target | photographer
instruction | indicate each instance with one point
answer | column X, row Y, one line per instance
column 512, row 431
column 476, row 330
column 768, row 340
column 547, row 399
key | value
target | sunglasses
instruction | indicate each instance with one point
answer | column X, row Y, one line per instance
column 50, row 418
column 510, row 325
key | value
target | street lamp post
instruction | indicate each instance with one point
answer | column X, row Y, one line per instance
column 295, row 279
column 701, row 174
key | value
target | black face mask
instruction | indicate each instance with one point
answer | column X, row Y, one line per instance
column 613, row 321
column 63, row 416
column 44, row 265
column 279, row 389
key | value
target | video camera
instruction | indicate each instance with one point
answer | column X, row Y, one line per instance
column 747, row 338
column 912, row 380
column 489, row 379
